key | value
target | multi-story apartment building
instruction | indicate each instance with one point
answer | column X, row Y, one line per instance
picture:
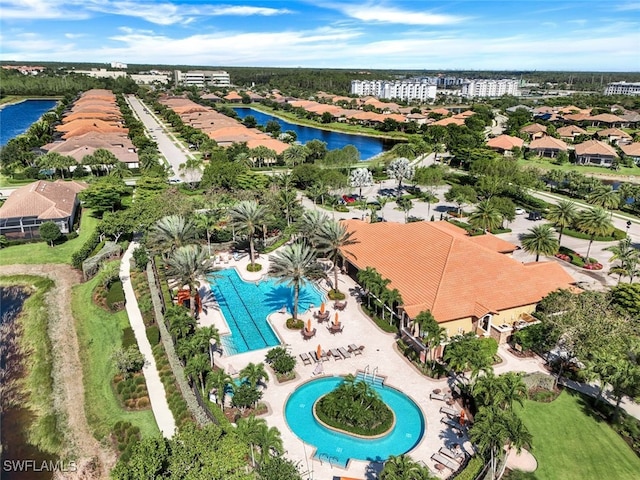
column 417, row 89
column 623, row 88
column 200, row 78
column 490, row 88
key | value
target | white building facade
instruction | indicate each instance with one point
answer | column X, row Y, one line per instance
column 623, row 88
column 200, row 78
column 420, row 90
column 490, row 88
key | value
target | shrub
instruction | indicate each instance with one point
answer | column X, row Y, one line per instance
column 115, row 296
column 336, row 295
column 472, row 469
column 72, row 235
column 295, row 324
column 85, row 250
column 128, row 337
column 256, row 267
column 153, row 335
column 140, row 257
column 281, row 362
column 128, row 360
column 341, row 208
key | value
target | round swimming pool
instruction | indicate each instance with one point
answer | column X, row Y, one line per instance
column 339, row 448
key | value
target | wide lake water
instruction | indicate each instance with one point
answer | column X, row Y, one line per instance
column 367, row 146
column 18, row 117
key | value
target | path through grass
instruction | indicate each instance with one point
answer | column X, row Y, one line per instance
column 99, row 335
column 41, row 252
column 569, row 444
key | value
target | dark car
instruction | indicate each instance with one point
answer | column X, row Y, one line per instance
column 534, row 216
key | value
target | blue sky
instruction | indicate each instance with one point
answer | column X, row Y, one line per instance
column 412, row 34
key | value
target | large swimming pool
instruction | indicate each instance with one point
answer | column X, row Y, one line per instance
column 246, row 306
column 339, row 448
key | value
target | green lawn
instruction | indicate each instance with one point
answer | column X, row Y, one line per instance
column 546, row 165
column 41, row 252
column 571, row 445
column 99, row 335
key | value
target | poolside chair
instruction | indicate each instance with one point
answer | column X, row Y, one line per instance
column 335, row 354
column 306, row 360
column 451, row 454
column 343, row 351
column 450, row 464
column 449, row 411
column 353, row 348
column 319, row 370
column 451, row 423
column 439, row 396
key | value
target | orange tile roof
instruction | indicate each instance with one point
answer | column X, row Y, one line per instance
column 606, row 118
column 437, row 267
column 534, row 128
column 505, row 142
column 612, row 132
column 571, row 130
column 441, row 111
column 41, row 199
column 233, row 97
column 448, row 121
column 577, row 117
column 633, row 149
column 595, row 147
column 548, row 143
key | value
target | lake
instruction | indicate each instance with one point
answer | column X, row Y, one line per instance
column 367, row 146
column 18, row 117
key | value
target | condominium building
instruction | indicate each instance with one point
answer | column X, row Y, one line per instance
column 490, row 88
column 421, row 90
column 200, row 78
column 623, row 88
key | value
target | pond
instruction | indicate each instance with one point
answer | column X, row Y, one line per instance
column 367, row 146
column 16, row 118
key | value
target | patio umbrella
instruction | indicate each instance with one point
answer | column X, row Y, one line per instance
column 462, row 417
column 309, row 325
column 322, row 307
column 319, row 351
column 335, row 320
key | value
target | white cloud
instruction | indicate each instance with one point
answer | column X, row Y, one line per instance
column 625, row 7
column 370, row 12
column 39, row 9
column 73, row 36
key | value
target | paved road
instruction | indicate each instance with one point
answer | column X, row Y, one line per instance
column 168, row 144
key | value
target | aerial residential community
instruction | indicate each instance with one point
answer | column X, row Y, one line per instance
column 261, row 241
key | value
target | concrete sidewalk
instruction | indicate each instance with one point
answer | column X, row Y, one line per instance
column 157, row 395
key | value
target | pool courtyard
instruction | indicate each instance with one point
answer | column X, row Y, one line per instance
column 379, row 353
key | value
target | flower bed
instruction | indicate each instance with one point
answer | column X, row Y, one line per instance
column 578, row 260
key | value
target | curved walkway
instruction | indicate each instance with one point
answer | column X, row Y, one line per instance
column 157, row 395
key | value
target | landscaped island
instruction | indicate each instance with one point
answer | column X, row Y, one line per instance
column 355, row 407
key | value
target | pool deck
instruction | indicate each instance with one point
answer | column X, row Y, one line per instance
column 379, row 352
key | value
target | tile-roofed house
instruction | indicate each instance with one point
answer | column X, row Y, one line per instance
column 614, row 136
column 570, row 132
column 233, row 97
column 548, row 146
column 448, row 121
column 504, row 143
column 80, row 146
column 534, row 130
column 632, row 151
column 465, row 282
column 631, row 118
column 441, row 111
column 419, row 118
column 28, row 207
column 576, row 117
column 595, row 152
column 607, row 118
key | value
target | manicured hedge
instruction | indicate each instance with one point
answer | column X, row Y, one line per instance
column 115, row 296
column 472, row 469
column 616, row 234
column 85, row 250
column 153, row 335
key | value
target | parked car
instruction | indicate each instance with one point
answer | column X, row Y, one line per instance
column 520, row 211
column 535, row 216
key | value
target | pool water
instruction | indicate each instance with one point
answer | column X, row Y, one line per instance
column 338, row 448
column 246, row 306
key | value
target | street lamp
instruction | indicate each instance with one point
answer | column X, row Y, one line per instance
column 628, row 226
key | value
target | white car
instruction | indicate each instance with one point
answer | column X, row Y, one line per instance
column 520, row 211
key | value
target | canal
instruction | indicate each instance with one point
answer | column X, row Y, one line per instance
column 16, row 118
column 367, row 146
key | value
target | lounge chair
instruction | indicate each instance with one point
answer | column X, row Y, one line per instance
column 335, row 354
column 451, row 423
column 450, row 453
column 439, row 396
column 306, row 360
column 319, row 370
column 343, row 351
column 449, row 411
column 450, row 464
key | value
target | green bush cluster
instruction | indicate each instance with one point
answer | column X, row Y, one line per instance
column 281, row 361
column 162, row 279
column 336, row 295
column 131, row 389
column 341, row 208
column 128, row 338
column 256, row 267
column 126, row 436
column 472, row 469
column 176, row 402
column 115, row 296
column 295, row 324
column 616, row 234
column 153, row 335
column 85, row 250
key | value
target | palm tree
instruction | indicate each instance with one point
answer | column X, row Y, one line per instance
column 207, row 222
column 382, row 201
column 248, row 429
column 486, row 216
column 269, row 441
column 391, row 299
column 487, row 390
column 513, row 389
column 333, row 239
column 295, row 155
column 604, row 196
column 400, row 169
column 594, row 222
column 294, row 264
column 360, row 177
column 197, row 367
column 254, row 373
column 563, row 214
column 221, row 381
column 627, row 257
column 309, row 224
column 489, row 434
column 187, row 265
column 288, row 201
column 248, row 216
column 403, row 467
column 171, row 232
column 432, row 334
column 540, row 240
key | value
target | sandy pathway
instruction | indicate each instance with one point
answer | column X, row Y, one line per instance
column 93, row 459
